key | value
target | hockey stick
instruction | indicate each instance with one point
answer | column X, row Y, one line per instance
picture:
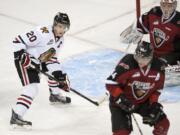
column 97, row 103
column 140, row 131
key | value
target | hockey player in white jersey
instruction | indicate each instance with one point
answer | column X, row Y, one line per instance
column 39, row 49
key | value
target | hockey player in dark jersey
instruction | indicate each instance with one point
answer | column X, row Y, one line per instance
column 162, row 23
column 135, row 87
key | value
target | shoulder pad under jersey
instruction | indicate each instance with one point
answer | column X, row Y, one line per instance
column 156, row 10
column 126, row 63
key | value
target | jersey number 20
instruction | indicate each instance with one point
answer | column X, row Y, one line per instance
column 31, row 36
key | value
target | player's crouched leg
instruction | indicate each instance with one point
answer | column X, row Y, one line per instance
column 121, row 121
column 161, row 127
column 155, row 116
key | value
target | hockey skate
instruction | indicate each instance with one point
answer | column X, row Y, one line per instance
column 18, row 122
column 59, row 99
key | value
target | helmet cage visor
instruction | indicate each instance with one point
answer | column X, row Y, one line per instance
column 168, row 8
column 143, row 59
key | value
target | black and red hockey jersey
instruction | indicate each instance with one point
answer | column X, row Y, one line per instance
column 139, row 85
column 164, row 34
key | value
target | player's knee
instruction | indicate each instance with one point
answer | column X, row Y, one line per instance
column 161, row 127
column 31, row 90
column 121, row 132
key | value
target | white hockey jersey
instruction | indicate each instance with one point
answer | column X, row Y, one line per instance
column 38, row 41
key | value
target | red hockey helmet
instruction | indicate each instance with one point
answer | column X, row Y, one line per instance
column 168, row 7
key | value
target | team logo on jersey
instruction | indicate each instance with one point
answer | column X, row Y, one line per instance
column 45, row 30
column 159, row 37
column 141, row 89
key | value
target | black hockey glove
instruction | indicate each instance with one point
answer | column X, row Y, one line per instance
column 155, row 114
column 27, row 60
column 64, row 82
column 124, row 104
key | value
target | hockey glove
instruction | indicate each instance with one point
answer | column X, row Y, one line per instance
column 131, row 35
column 64, row 82
column 124, row 104
column 27, row 61
column 155, row 114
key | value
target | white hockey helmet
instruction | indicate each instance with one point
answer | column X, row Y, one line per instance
column 168, row 7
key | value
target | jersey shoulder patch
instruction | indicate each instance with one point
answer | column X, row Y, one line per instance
column 127, row 62
column 44, row 32
column 44, row 29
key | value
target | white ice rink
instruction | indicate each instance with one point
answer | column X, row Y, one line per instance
column 95, row 25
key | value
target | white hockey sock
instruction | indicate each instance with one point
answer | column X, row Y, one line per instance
column 55, row 90
column 25, row 100
column 20, row 110
column 53, row 85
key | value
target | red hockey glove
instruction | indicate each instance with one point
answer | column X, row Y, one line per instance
column 27, row 60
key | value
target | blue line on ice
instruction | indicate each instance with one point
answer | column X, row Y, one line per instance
column 88, row 71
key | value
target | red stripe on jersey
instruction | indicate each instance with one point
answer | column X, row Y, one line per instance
column 114, row 90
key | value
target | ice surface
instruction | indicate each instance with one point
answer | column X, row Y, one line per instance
column 95, row 25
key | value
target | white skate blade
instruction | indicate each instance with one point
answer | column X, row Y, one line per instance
column 58, row 103
column 17, row 127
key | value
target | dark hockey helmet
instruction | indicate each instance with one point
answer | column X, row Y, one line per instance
column 62, row 18
column 143, row 52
